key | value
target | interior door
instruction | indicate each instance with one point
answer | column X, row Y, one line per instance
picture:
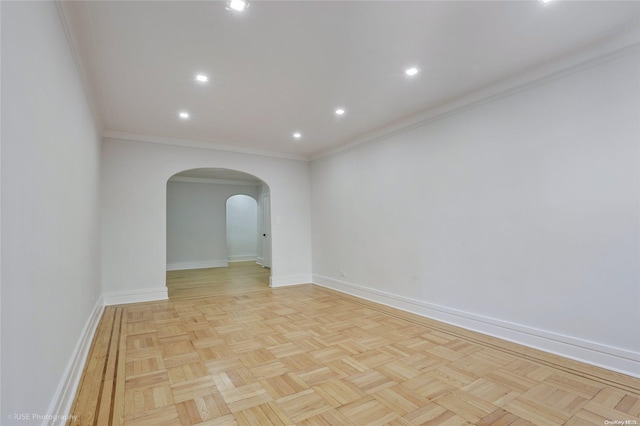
column 266, row 231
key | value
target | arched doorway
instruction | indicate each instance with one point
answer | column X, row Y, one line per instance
column 203, row 249
column 242, row 228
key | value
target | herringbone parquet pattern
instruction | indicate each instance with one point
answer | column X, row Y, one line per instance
column 309, row 356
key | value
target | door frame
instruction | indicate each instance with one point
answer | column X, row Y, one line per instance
column 265, row 212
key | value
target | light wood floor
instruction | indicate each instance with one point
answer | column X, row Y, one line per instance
column 238, row 277
column 310, row 356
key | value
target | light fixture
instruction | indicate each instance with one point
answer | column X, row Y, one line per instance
column 202, row 78
column 411, row 71
column 237, row 5
column 297, row 135
column 340, row 111
column 184, row 115
column 545, row 2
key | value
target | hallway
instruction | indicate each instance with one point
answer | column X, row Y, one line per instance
column 237, row 277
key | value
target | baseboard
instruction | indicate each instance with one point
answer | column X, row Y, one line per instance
column 197, row 265
column 135, row 296
column 611, row 358
column 286, row 280
column 65, row 393
column 244, row 258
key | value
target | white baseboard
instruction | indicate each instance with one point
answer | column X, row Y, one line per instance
column 60, row 406
column 197, row 265
column 135, row 296
column 611, row 358
column 243, row 258
column 286, row 280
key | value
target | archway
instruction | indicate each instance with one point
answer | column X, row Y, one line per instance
column 242, row 228
column 197, row 223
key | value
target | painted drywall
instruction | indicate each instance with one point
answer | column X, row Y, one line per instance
column 197, row 224
column 517, row 216
column 242, row 228
column 134, row 209
column 50, row 218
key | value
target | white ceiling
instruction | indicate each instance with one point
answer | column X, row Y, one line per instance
column 283, row 66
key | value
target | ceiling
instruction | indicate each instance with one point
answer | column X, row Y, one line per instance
column 285, row 66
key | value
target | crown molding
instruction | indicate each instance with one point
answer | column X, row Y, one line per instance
column 63, row 16
column 123, row 136
column 621, row 42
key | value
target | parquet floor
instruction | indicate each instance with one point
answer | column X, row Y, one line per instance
column 238, row 277
column 309, row 356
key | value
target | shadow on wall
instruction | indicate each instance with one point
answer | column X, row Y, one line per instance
column 217, row 216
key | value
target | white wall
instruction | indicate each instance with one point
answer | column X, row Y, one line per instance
column 134, row 194
column 518, row 217
column 197, row 224
column 50, row 218
column 242, row 228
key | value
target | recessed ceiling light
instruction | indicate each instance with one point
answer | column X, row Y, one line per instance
column 340, row 111
column 297, row 135
column 237, row 5
column 545, row 2
column 184, row 115
column 411, row 71
column 202, row 78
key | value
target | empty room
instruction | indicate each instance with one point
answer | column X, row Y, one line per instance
column 320, row 212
